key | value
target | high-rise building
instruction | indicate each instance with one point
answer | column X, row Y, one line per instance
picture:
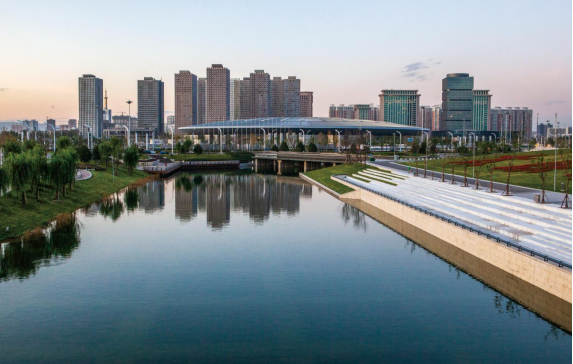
column 277, row 97
column 245, row 98
column 481, row 107
column 291, row 92
column 260, row 94
column 436, row 117
column 218, row 93
column 33, row 124
column 90, row 105
column 425, row 119
column 457, row 102
column 52, row 122
column 511, row 121
column 306, row 100
column 72, row 124
column 341, row 111
column 150, row 104
column 400, row 106
column 542, row 129
column 202, row 101
column 366, row 112
column 235, row 98
column 185, row 100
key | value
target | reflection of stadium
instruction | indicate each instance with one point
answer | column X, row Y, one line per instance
column 252, row 194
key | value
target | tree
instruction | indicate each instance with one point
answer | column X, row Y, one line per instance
column 465, row 161
column 322, row 140
column 57, row 173
column 39, row 164
column 284, row 147
column 312, row 147
column 299, row 147
column 19, row 173
column 275, row 148
column 29, row 144
column 198, row 149
column 84, row 153
column 353, row 148
column 12, row 146
column 130, row 158
column 506, row 191
column 105, row 151
column 95, row 153
column 187, row 144
column 70, row 156
column 491, row 169
column 4, row 180
column 542, row 170
column 63, row 142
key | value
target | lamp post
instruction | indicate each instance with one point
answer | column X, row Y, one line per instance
column 556, row 145
column 426, row 158
column 495, row 138
column 303, row 139
column 172, row 136
column 127, row 135
column 264, row 138
column 394, row 147
column 129, row 102
column 220, row 141
column 22, row 132
column 400, row 139
column 474, row 155
column 452, row 142
column 90, row 137
column 369, row 133
column 337, row 131
column 50, row 125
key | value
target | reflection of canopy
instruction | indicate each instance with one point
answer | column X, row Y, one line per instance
column 315, row 125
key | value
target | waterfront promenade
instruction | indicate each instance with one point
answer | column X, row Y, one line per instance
column 544, row 228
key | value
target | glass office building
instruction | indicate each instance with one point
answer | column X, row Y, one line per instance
column 457, row 102
column 481, row 110
column 400, row 106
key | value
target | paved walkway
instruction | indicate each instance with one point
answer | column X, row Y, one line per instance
column 82, row 174
column 526, row 192
column 545, row 228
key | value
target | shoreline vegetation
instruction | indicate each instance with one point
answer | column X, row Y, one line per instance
column 17, row 219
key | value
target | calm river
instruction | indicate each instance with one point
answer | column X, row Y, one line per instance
column 249, row 268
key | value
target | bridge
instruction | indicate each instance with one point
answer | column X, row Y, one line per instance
column 287, row 162
column 167, row 169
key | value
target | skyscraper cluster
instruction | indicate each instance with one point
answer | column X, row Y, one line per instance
column 218, row 97
column 463, row 110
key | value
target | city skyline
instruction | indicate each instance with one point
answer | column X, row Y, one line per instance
column 525, row 66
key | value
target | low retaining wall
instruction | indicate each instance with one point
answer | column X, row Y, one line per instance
column 541, row 286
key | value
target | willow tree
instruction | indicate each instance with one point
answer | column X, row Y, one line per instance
column 19, row 173
column 39, row 164
column 57, row 173
column 105, row 151
column 4, row 180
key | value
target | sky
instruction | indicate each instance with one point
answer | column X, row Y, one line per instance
column 343, row 51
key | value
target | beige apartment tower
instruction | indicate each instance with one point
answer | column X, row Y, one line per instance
column 218, row 93
column 306, row 104
column 185, row 100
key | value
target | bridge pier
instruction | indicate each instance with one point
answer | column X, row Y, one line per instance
column 280, row 169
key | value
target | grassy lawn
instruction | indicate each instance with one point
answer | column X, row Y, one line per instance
column 322, row 176
column 36, row 213
column 525, row 179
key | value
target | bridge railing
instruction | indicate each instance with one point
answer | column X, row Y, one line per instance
column 471, row 229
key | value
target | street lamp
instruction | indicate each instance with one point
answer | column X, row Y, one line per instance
column 400, row 139
column 452, row 142
column 90, row 137
column 127, row 135
column 264, row 138
column 338, row 139
column 22, row 132
column 556, row 145
column 303, row 138
column 54, row 135
column 172, row 142
column 394, row 147
column 495, row 138
column 369, row 133
column 220, row 141
column 426, row 158
column 474, row 157
column 129, row 102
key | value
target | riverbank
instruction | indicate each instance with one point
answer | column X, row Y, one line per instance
column 16, row 219
column 323, row 175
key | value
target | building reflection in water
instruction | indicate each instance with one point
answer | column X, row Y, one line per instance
column 152, row 196
column 40, row 248
column 256, row 195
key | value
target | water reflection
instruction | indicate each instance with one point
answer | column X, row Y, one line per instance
column 258, row 196
column 40, row 247
column 351, row 213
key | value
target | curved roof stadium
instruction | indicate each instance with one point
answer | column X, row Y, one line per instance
column 316, row 125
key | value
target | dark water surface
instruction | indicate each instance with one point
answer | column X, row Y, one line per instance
column 249, row 268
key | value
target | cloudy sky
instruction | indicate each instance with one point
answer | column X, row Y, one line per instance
column 344, row 51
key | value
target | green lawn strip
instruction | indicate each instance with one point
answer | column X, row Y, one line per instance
column 36, row 213
column 524, row 179
column 323, row 175
column 367, row 173
column 355, row 176
column 389, row 174
column 383, row 181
